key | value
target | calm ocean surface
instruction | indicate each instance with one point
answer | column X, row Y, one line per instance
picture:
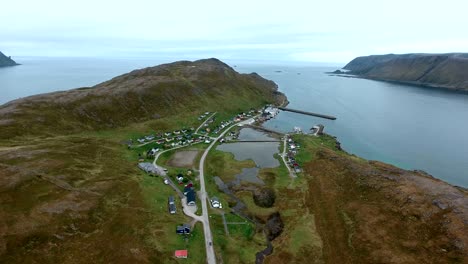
column 411, row 127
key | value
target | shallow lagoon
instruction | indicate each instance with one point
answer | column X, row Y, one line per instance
column 262, row 153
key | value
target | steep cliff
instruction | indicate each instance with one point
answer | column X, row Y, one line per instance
column 435, row 70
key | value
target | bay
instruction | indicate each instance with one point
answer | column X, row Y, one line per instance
column 411, row 127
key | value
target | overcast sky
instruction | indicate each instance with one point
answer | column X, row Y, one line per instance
column 301, row 31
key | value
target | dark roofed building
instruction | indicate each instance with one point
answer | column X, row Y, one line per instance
column 191, row 196
column 183, row 229
column 187, row 189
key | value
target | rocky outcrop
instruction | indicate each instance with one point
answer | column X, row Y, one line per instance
column 434, row 70
column 274, row 226
column 264, row 197
column 6, row 61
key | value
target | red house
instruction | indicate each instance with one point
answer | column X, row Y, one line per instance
column 181, row 253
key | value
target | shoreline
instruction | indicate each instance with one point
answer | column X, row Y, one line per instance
column 408, row 83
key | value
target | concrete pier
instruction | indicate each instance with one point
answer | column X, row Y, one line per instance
column 265, row 129
column 249, row 141
column 307, row 113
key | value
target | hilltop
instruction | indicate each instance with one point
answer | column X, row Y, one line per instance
column 71, row 191
column 141, row 95
column 6, row 61
column 448, row 71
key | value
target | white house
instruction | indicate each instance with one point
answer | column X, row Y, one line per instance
column 273, row 111
column 215, row 202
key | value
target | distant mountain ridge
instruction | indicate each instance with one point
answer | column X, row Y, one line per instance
column 435, row 70
column 6, row 61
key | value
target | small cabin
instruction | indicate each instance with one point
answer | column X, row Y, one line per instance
column 183, row 229
column 181, row 253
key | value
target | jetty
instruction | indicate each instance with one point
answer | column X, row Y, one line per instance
column 307, row 113
column 249, row 141
column 264, row 129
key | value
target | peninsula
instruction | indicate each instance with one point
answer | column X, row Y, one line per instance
column 128, row 171
column 448, row 71
column 6, row 61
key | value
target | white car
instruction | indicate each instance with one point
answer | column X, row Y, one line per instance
column 207, row 141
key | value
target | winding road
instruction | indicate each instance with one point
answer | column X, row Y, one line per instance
column 283, row 156
column 210, row 255
column 206, row 120
column 204, row 218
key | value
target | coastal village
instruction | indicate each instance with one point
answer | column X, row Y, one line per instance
column 215, row 181
column 185, row 182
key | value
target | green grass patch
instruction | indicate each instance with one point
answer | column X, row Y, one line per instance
column 304, row 235
column 242, row 244
column 163, row 225
column 311, row 144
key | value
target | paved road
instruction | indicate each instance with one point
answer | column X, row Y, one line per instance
column 156, row 157
column 210, row 255
column 206, row 120
column 188, row 210
column 283, row 156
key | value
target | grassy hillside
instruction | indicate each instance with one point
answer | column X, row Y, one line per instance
column 344, row 209
column 437, row 70
column 71, row 191
column 136, row 97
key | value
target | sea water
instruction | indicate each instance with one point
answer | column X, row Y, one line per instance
column 408, row 126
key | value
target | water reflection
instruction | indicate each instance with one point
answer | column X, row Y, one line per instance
column 262, row 153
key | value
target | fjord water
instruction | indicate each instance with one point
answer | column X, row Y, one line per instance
column 408, row 126
column 411, row 127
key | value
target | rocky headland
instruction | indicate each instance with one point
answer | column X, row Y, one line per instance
column 6, row 61
column 448, row 71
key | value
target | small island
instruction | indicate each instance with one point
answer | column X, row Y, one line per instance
column 6, row 61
